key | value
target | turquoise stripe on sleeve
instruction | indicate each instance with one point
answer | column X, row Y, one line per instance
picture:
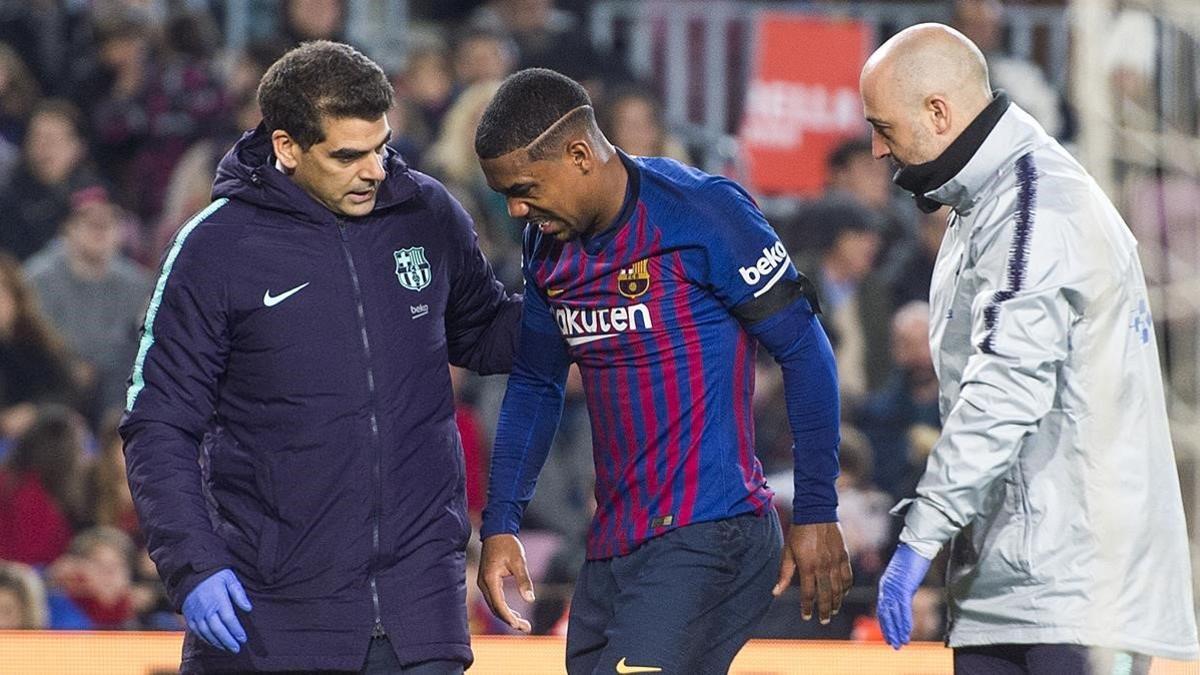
column 155, row 300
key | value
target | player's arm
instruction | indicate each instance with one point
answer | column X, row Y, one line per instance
column 752, row 274
column 1019, row 339
column 783, row 321
column 528, row 420
column 182, row 352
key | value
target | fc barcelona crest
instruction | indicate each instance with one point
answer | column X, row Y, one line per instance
column 634, row 280
column 412, row 269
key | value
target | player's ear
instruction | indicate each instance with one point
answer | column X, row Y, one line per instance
column 581, row 155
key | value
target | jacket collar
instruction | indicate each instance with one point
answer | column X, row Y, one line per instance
column 1002, row 133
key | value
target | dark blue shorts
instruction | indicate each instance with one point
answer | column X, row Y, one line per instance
column 685, row 601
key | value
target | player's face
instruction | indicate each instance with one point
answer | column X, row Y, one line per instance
column 897, row 129
column 344, row 170
column 549, row 194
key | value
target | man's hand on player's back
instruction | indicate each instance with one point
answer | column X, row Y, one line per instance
column 504, row 556
column 825, row 577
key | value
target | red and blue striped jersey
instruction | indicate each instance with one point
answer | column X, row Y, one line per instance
column 649, row 311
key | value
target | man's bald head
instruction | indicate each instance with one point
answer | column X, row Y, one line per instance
column 929, row 77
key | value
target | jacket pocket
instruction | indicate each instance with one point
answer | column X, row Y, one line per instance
column 1014, row 536
column 267, row 561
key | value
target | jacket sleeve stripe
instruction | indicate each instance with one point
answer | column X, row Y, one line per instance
column 1018, row 257
column 138, row 383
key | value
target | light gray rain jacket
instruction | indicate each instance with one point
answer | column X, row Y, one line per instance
column 1054, row 473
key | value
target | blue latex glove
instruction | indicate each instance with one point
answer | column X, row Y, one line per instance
column 897, row 586
column 208, row 610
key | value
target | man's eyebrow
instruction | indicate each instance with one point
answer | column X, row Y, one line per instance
column 347, row 153
column 877, row 122
column 355, row 153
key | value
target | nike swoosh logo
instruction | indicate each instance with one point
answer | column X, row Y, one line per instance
column 272, row 300
column 555, row 292
column 623, row 668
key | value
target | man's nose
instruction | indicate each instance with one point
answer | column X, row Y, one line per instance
column 373, row 171
column 879, row 149
column 517, row 208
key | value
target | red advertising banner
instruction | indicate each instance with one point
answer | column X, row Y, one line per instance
column 802, row 99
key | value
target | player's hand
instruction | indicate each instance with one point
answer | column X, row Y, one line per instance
column 208, row 610
column 819, row 553
column 897, row 586
column 503, row 556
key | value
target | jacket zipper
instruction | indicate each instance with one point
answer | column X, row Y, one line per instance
column 376, row 472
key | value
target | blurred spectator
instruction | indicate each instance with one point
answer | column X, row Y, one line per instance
column 19, row 93
column 483, row 55
column 772, row 431
column 304, row 20
column 852, row 172
column 54, row 164
column 564, row 501
column 1132, row 69
column 632, row 119
column 40, row 488
column 982, row 21
column 451, row 159
column 908, row 269
column 34, row 363
column 96, row 573
column 190, row 187
column 546, row 37
column 94, row 296
column 153, row 99
column 22, row 598
column 862, row 507
column 107, row 490
column 908, row 399
column 835, row 242
column 35, row 30
column 427, row 83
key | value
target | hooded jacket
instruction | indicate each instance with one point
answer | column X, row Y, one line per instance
column 290, row 414
column 1055, row 473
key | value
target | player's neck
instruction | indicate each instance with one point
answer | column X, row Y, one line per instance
column 613, row 180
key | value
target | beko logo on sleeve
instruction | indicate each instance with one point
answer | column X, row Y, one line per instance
column 774, row 259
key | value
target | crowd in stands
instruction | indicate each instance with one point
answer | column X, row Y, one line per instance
column 113, row 115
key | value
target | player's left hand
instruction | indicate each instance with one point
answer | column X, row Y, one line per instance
column 824, row 563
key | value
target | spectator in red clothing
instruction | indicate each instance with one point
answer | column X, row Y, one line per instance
column 475, row 454
column 40, row 488
column 97, row 575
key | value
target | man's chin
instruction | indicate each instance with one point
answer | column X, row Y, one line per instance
column 360, row 209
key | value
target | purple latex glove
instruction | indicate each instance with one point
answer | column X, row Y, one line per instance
column 209, row 611
column 897, row 586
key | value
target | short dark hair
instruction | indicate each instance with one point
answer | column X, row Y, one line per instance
column 526, row 105
column 844, row 152
column 321, row 79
